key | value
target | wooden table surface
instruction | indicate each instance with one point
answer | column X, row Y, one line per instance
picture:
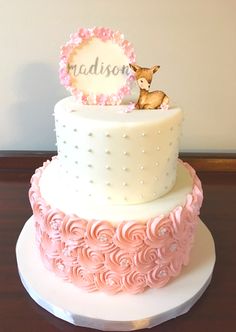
column 215, row 311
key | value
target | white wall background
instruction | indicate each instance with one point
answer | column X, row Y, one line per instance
column 193, row 41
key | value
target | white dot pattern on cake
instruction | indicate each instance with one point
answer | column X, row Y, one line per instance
column 124, row 162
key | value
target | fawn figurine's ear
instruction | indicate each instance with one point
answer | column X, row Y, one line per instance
column 155, row 69
column 134, row 66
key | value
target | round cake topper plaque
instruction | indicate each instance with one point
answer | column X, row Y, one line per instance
column 94, row 66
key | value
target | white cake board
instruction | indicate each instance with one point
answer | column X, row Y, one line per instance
column 121, row 312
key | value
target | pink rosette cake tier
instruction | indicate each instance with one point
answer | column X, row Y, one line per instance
column 128, row 256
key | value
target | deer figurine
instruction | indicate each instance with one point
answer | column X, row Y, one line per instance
column 148, row 100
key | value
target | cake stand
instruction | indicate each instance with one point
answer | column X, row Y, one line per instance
column 120, row 312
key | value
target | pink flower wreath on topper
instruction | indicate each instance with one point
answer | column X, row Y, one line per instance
column 80, row 38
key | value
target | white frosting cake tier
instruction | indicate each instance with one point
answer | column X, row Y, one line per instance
column 56, row 192
column 113, row 156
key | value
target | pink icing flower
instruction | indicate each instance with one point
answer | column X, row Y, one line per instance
column 36, row 176
column 134, row 282
column 158, row 277
column 126, row 110
column 198, row 183
column 92, row 99
column 60, row 269
column 197, row 199
column 169, row 251
column 50, row 247
column 130, row 235
column 132, row 58
column 101, row 99
column 63, row 71
column 113, row 99
column 109, row 282
column 129, row 51
column 33, row 196
column 190, row 217
column 146, row 259
column 175, row 255
column 40, row 209
column 177, row 218
column 38, row 233
column 130, row 108
column 103, row 33
column 91, row 260
column 47, row 261
column 82, row 278
column 119, row 261
column 125, row 90
column 73, row 230
column 159, row 231
column 69, row 253
column 189, row 210
column 126, row 45
column 84, row 99
column 165, row 107
column 100, row 235
column 78, row 94
column 117, row 37
column 65, row 79
column 175, row 266
column 84, row 33
column 63, row 67
column 187, row 251
column 184, row 220
column 52, row 222
column 66, row 50
column 76, row 38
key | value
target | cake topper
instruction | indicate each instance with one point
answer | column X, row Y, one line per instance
column 94, row 66
column 148, row 100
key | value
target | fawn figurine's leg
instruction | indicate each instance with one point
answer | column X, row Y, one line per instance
column 165, row 101
column 147, row 106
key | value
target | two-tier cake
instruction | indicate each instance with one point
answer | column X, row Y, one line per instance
column 115, row 211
